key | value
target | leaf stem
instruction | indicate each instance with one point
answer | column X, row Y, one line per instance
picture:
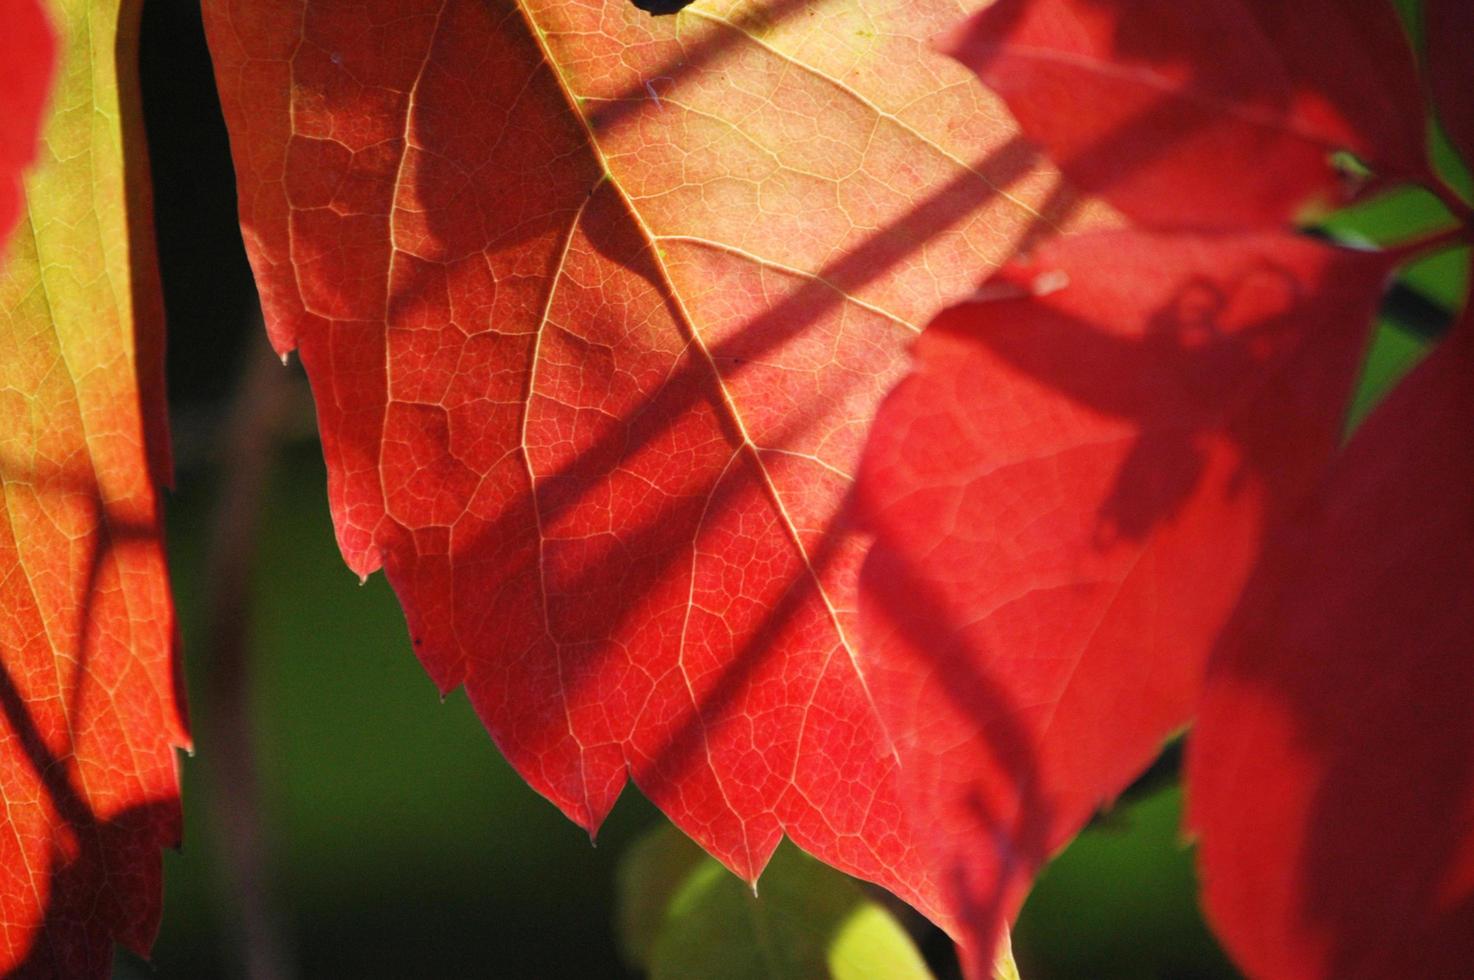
column 1460, row 209
column 226, row 745
column 1463, row 234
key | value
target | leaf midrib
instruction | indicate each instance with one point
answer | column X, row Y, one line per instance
column 694, row 338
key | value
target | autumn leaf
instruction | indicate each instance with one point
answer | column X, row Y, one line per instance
column 27, row 56
column 1073, row 486
column 1206, row 112
column 1067, row 493
column 1332, row 767
column 88, row 678
column 597, row 308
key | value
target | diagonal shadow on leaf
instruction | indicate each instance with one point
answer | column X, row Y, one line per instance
column 81, row 918
column 1339, row 693
column 455, row 507
column 1050, row 472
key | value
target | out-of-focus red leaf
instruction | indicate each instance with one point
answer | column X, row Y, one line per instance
column 1205, row 112
column 27, row 56
column 597, row 309
column 89, row 711
column 1331, row 772
column 1450, row 28
column 1068, row 492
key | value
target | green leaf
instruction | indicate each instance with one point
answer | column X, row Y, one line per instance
column 681, row 914
column 1401, row 215
column 649, row 876
column 1440, row 282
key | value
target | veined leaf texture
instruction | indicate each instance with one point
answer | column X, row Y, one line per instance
column 597, row 308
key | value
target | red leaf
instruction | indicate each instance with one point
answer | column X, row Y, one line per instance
column 89, row 708
column 597, row 308
column 27, row 53
column 1450, row 25
column 1067, row 494
column 1204, row 112
column 1332, row 767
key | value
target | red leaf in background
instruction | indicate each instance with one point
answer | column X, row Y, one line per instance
column 1072, row 488
column 89, row 711
column 1332, row 767
column 27, row 53
column 1449, row 25
column 1205, row 112
column 597, row 309
column 1067, row 494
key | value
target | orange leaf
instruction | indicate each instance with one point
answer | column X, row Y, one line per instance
column 89, row 706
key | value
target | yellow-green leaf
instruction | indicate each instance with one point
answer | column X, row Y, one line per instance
column 88, row 680
column 681, row 914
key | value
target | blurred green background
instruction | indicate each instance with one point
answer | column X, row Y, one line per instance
column 399, row 842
